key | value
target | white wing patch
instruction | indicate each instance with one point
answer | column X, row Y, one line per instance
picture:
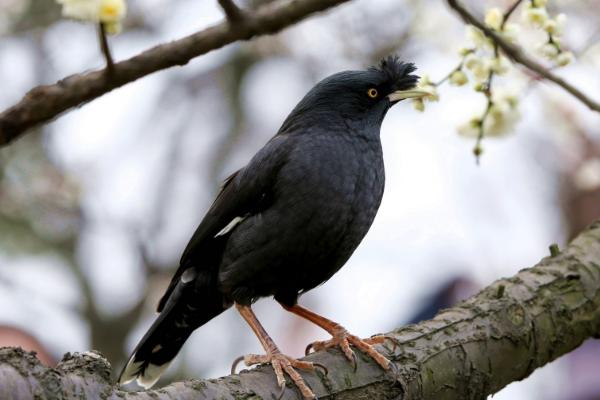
column 234, row 222
column 188, row 275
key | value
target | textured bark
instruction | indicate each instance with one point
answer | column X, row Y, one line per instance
column 44, row 103
column 474, row 349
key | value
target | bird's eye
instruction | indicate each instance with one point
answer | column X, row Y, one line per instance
column 372, row 93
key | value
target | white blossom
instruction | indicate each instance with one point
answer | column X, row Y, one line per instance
column 479, row 66
column 494, row 18
column 84, row 10
column 510, row 32
column 535, row 16
column 499, row 120
column 554, row 26
column 549, row 50
column 458, row 78
column 564, row 58
column 477, row 37
column 428, row 86
column 561, row 20
column 502, row 115
column 470, row 128
column 112, row 11
column 418, row 105
column 500, row 65
column 109, row 12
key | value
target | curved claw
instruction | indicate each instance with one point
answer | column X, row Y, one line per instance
column 308, row 348
column 235, row 364
column 354, row 362
column 319, row 365
column 394, row 369
column 281, row 392
column 396, row 343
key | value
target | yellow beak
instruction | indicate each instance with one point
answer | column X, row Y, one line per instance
column 407, row 94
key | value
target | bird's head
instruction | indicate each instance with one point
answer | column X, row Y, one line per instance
column 359, row 99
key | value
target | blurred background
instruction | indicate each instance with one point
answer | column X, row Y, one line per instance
column 96, row 207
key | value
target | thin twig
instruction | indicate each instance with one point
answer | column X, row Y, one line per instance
column 44, row 103
column 232, row 11
column 518, row 56
column 509, row 12
column 449, row 74
column 110, row 65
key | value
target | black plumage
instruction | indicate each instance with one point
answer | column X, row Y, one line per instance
column 290, row 218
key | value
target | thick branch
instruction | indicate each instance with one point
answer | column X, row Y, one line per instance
column 517, row 55
column 45, row 103
column 472, row 350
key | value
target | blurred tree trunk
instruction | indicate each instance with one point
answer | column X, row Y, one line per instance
column 474, row 349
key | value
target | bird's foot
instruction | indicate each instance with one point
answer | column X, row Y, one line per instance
column 343, row 339
column 282, row 363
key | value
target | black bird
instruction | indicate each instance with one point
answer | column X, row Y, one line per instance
column 285, row 223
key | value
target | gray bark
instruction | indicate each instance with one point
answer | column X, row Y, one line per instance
column 474, row 349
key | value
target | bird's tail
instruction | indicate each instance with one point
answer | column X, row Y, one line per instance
column 189, row 306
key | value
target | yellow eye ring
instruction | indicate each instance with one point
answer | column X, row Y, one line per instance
column 372, row 93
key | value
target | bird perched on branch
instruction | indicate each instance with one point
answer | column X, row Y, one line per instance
column 285, row 223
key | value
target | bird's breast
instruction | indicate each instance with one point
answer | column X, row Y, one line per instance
column 333, row 185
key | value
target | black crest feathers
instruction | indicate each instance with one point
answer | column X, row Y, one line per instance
column 397, row 72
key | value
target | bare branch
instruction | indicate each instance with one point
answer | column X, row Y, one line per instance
column 232, row 11
column 45, row 103
column 517, row 55
column 470, row 351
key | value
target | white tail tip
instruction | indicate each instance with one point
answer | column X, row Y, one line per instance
column 147, row 378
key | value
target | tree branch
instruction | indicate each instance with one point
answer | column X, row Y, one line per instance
column 232, row 11
column 45, row 103
column 472, row 350
column 517, row 55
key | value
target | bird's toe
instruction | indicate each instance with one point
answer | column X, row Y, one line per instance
column 282, row 365
column 343, row 340
column 366, row 347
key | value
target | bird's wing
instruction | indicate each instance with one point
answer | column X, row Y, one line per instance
column 243, row 193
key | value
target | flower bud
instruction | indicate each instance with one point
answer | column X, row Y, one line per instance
column 564, row 58
column 112, row 10
column 458, row 78
column 418, row 105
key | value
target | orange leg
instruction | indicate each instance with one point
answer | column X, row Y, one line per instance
column 341, row 337
column 279, row 361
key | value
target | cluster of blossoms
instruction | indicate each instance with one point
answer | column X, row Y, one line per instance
column 479, row 63
column 482, row 61
column 108, row 12
column 499, row 118
column 536, row 15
